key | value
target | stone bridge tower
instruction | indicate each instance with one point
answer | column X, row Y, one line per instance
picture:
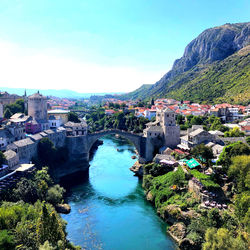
column 167, row 120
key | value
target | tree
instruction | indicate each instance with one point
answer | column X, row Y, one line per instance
column 217, row 125
column 180, row 119
column 242, row 205
column 220, row 239
column 203, row 153
column 6, row 240
column 26, row 190
column 72, row 117
column 235, row 132
column 7, row 113
column 49, row 227
column 55, row 194
column 240, row 171
column 152, row 102
column 2, row 158
column 232, row 150
column 248, row 140
column 43, row 181
column 16, row 107
column 196, row 120
column 46, row 151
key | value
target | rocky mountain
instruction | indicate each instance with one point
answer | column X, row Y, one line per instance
column 208, row 60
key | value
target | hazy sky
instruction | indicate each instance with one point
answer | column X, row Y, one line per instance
column 104, row 45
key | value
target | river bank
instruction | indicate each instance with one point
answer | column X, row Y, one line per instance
column 109, row 209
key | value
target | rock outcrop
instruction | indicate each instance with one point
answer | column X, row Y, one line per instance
column 63, row 208
column 199, row 63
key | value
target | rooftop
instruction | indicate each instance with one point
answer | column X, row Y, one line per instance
column 24, row 142
column 9, row 154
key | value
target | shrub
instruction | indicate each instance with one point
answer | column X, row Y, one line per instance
column 55, row 194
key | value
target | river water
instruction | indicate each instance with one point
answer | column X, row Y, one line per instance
column 109, row 210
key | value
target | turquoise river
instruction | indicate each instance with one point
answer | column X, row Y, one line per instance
column 109, row 210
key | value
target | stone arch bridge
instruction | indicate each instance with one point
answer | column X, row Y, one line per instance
column 79, row 146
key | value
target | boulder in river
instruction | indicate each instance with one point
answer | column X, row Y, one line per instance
column 63, row 208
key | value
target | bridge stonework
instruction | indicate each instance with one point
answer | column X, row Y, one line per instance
column 79, row 146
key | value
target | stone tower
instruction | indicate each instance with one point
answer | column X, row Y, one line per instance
column 166, row 119
column 37, row 107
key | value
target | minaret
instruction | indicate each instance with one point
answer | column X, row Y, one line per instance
column 25, row 98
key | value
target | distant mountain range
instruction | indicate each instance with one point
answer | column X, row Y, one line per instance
column 62, row 93
column 215, row 67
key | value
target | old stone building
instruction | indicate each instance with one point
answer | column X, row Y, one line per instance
column 196, row 136
column 37, row 109
column 75, row 129
column 11, row 158
column 166, row 119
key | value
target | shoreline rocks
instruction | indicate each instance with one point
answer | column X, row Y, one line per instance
column 63, row 208
column 137, row 168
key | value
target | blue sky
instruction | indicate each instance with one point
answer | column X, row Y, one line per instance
column 102, row 46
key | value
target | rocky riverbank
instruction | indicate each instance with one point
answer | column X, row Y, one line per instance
column 137, row 169
column 175, row 205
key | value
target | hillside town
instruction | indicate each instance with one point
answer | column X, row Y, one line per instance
column 22, row 130
column 173, row 137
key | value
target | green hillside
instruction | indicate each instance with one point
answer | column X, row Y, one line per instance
column 224, row 81
column 215, row 67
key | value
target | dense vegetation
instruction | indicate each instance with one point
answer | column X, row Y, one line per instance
column 97, row 120
column 28, row 217
column 208, row 122
column 16, row 107
column 205, row 228
column 72, row 117
column 227, row 80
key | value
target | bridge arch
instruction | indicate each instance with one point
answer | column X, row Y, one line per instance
column 137, row 140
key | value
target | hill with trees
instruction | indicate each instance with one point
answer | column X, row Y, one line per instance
column 214, row 68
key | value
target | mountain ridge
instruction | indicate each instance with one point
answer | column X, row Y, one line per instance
column 212, row 46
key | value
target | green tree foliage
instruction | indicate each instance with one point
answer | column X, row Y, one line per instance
column 97, row 120
column 46, row 151
column 203, row 153
column 242, row 207
column 232, row 150
column 72, row 117
column 6, row 240
column 248, row 140
column 235, row 132
column 26, row 190
column 222, row 239
column 49, row 227
column 155, row 169
column 217, row 125
column 55, row 194
column 7, row 113
column 160, row 186
column 31, row 225
column 16, row 107
column 240, row 171
column 197, row 120
column 180, row 119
